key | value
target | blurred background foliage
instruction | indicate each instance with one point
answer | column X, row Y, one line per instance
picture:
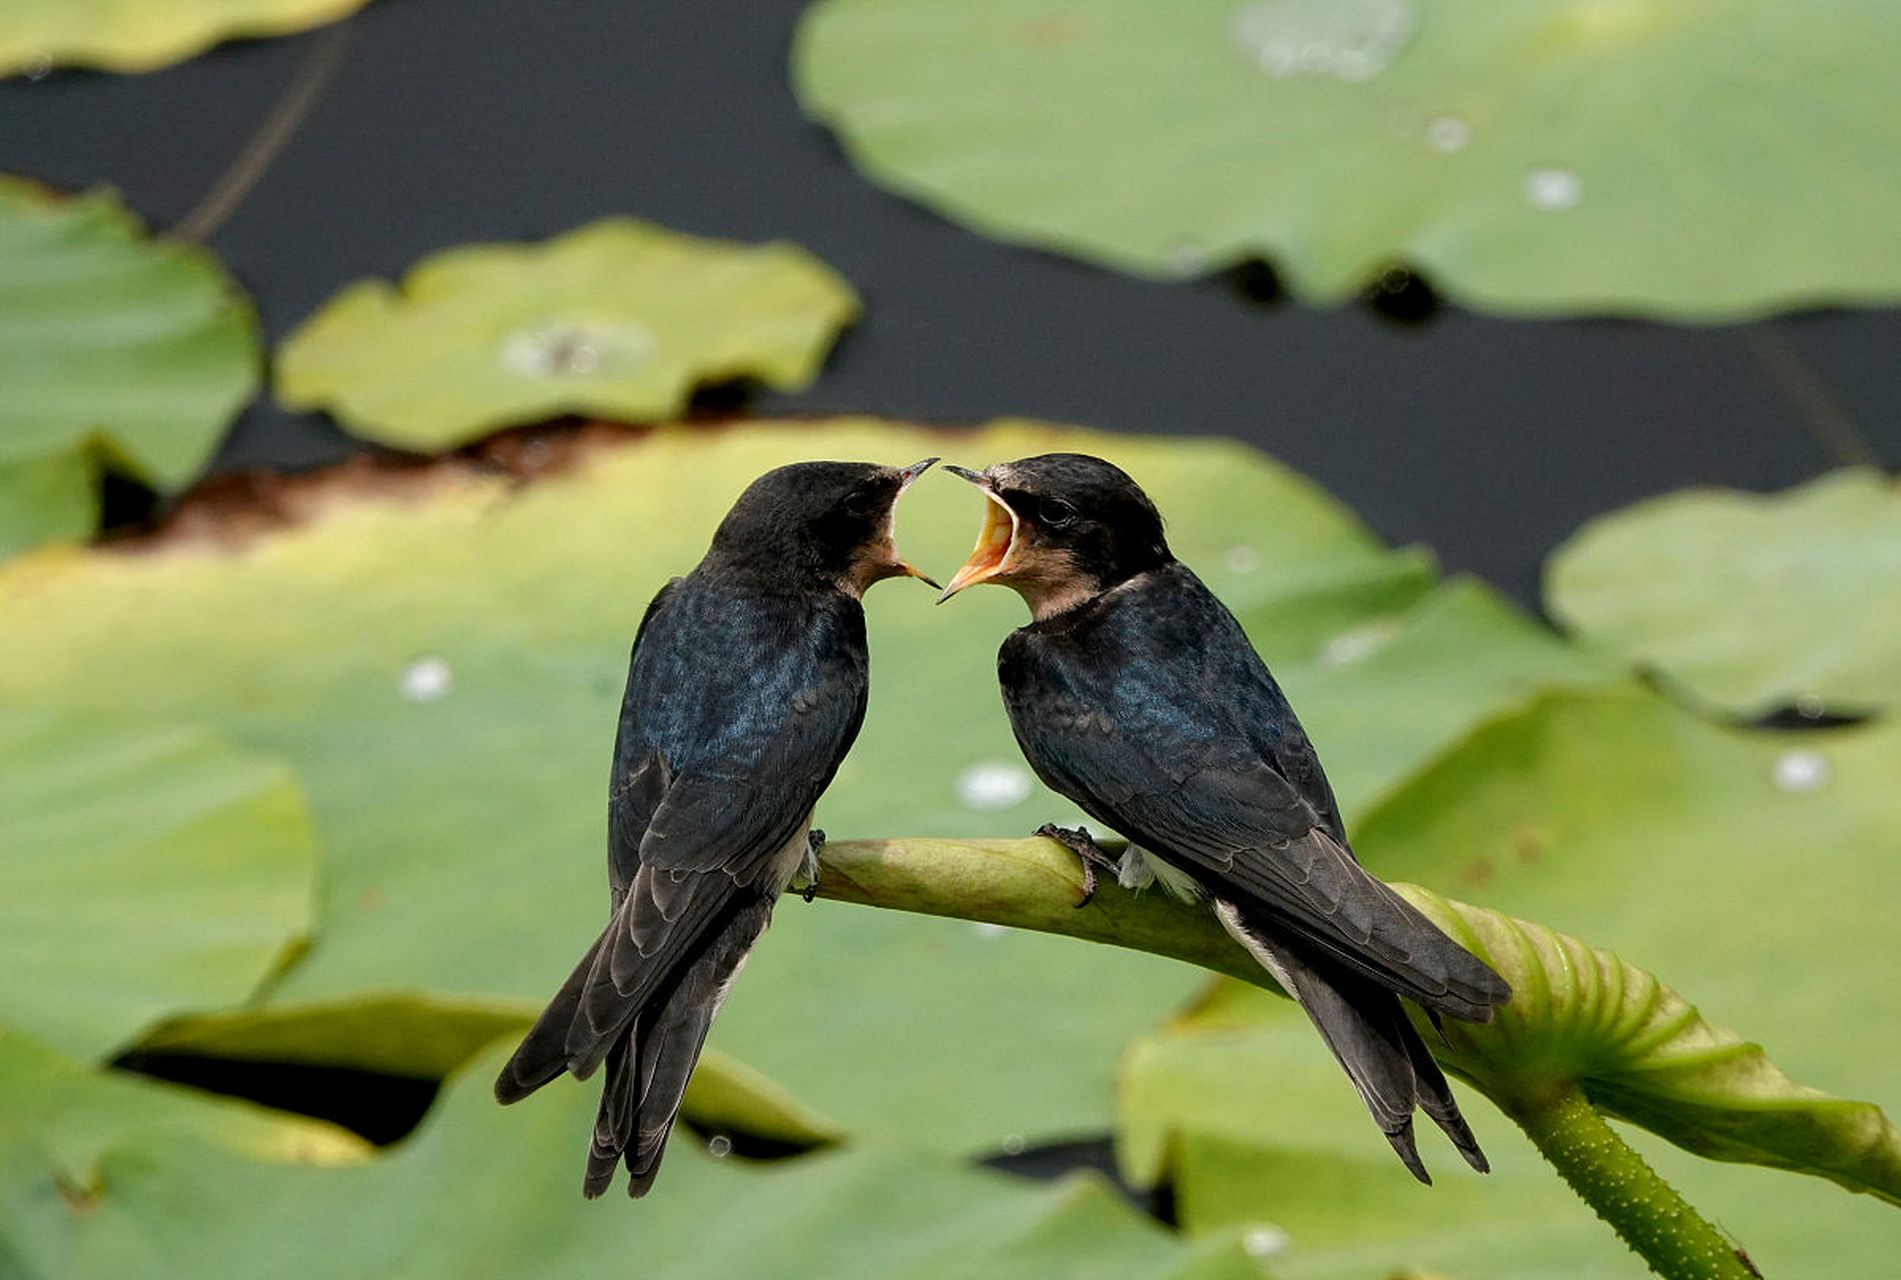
column 300, row 780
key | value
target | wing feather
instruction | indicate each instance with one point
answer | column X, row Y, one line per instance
column 1195, row 754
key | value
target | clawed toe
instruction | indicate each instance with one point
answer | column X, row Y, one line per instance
column 1079, row 842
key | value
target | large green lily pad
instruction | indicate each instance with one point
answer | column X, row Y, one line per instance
column 620, row 319
column 114, row 350
column 143, row 35
column 143, row 872
column 443, row 671
column 482, row 1191
column 1748, row 603
column 1530, row 156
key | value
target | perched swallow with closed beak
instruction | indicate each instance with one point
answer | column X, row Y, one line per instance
column 1134, row 692
column 745, row 690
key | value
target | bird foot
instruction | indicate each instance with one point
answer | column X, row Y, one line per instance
column 1079, row 842
column 808, row 866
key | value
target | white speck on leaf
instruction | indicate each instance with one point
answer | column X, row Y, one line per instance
column 1241, row 558
column 1266, row 1241
column 1801, row 770
column 1553, row 190
column 426, row 680
column 993, row 785
column 1348, row 40
column 570, row 349
column 1448, row 134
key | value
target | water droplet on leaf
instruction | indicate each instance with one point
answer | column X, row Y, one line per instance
column 567, row 349
column 993, row 785
column 1800, row 770
column 1553, row 190
column 1266, row 1241
column 1241, row 558
column 1187, row 258
column 1448, row 134
column 426, row 680
column 1355, row 645
column 719, row 1145
column 1345, row 39
column 1012, row 1144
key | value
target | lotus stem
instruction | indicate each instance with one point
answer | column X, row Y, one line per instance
column 1649, row 1215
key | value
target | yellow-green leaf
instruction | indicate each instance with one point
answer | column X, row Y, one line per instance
column 620, row 319
column 143, row 35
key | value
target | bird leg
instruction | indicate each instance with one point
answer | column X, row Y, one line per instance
column 808, row 865
column 1079, row 842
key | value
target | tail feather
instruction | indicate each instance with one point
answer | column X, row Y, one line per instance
column 649, row 1054
column 614, row 1122
column 671, row 1049
column 1436, row 1100
column 1367, row 1030
column 543, row 1053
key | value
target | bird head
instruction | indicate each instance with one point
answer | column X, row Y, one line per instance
column 1060, row 528
column 818, row 525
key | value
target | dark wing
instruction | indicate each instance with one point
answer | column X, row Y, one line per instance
column 1167, row 748
column 697, row 836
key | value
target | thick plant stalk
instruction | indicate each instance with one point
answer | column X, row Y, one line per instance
column 1630, row 1196
column 1585, row 1034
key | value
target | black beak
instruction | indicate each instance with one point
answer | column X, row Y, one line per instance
column 907, row 474
column 965, row 473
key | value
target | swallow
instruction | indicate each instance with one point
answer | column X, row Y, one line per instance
column 745, row 689
column 1134, row 692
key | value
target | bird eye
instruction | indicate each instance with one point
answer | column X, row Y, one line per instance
column 1054, row 513
column 858, row 503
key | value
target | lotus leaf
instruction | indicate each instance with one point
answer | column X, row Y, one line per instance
column 143, row 35
column 1529, row 156
column 619, row 319
column 479, row 1190
column 144, row 871
column 1747, row 603
column 115, row 350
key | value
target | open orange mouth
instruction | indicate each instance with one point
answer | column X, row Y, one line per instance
column 996, row 541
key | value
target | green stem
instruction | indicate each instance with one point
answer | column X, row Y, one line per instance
column 1655, row 1221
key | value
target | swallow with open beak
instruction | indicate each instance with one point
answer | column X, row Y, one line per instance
column 745, row 691
column 1134, row 692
